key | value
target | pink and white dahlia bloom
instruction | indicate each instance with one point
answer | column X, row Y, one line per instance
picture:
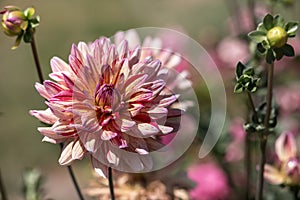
column 110, row 102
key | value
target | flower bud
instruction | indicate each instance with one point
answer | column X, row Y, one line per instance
column 277, row 37
column 13, row 21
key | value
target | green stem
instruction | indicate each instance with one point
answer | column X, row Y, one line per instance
column 111, row 184
column 248, row 165
column 2, row 189
column 252, row 107
column 264, row 136
column 40, row 74
column 36, row 60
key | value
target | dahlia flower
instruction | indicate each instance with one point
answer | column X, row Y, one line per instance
column 110, row 102
column 287, row 171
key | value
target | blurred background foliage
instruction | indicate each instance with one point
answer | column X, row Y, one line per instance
column 64, row 23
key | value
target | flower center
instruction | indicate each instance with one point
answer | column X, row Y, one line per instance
column 106, row 100
column 277, row 37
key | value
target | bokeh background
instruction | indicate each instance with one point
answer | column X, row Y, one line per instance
column 63, row 23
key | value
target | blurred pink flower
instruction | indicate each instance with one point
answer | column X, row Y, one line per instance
column 235, row 149
column 287, row 171
column 110, row 102
column 288, row 99
column 211, row 180
column 231, row 50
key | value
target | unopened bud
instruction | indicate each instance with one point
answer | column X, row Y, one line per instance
column 277, row 37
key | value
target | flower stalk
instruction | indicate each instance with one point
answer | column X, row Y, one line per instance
column 36, row 59
column 111, row 184
column 264, row 136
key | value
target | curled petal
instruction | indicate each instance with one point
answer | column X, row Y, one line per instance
column 78, row 150
column 45, row 116
column 285, row 146
column 273, row 175
column 66, row 154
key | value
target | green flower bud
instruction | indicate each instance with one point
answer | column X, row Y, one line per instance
column 14, row 21
column 277, row 37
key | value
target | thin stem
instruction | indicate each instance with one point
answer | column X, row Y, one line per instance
column 247, row 165
column 75, row 183
column 252, row 106
column 264, row 136
column 2, row 189
column 40, row 74
column 111, row 184
column 36, row 59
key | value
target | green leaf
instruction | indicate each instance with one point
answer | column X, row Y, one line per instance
column 238, row 88
column 288, row 50
column 29, row 12
column 278, row 21
column 249, row 71
column 291, row 28
column 270, row 56
column 261, row 27
column 239, row 69
column 279, row 53
column 257, row 36
column 268, row 21
column 27, row 37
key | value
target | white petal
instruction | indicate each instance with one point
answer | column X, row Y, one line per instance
column 112, row 158
column 100, row 168
column 147, row 129
column 66, row 154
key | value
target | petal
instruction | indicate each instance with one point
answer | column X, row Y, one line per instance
column 58, row 65
column 165, row 129
column 285, row 146
column 112, row 158
column 107, row 135
column 45, row 116
column 273, row 175
column 147, row 129
column 66, row 154
column 42, row 90
column 100, row 168
column 78, row 150
column 50, row 135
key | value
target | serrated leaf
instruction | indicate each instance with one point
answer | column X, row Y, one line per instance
column 268, row 21
column 288, row 50
column 239, row 69
column 278, row 21
column 270, row 56
column 257, row 36
column 291, row 28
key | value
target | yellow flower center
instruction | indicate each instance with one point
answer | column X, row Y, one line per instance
column 277, row 37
